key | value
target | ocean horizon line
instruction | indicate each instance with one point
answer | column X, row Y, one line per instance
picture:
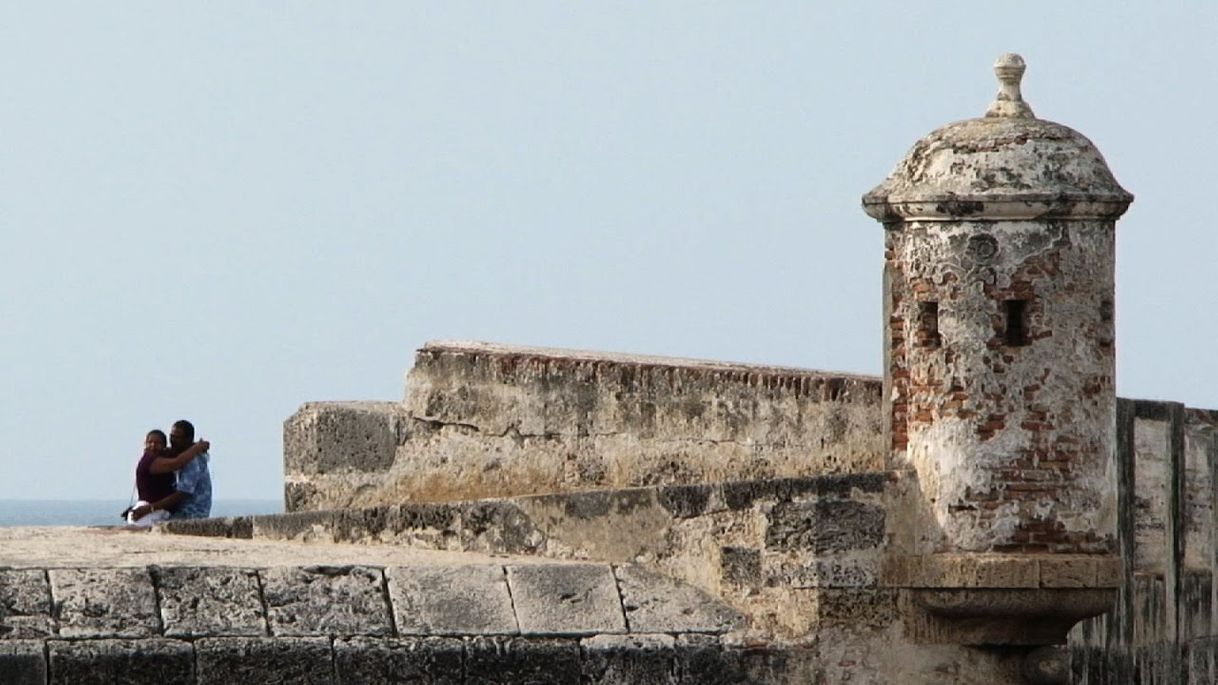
column 125, row 499
column 91, row 512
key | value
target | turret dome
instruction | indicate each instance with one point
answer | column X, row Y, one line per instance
column 1005, row 165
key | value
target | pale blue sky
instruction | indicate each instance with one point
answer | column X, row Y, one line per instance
column 222, row 210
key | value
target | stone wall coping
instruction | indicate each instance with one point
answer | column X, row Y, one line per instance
column 462, row 347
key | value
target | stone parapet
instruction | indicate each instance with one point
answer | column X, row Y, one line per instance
column 786, row 553
column 482, row 420
column 802, row 560
column 329, row 624
column 531, row 600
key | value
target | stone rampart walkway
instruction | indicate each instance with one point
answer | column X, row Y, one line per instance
column 100, row 605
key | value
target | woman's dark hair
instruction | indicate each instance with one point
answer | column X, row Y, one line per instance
column 160, row 434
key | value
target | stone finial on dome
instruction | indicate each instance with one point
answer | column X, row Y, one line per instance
column 1009, row 69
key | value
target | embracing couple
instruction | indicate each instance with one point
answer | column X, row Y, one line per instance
column 172, row 479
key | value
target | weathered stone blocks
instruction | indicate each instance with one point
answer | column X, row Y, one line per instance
column 825, row 525
column 148, row 661
column 341, row 437
column 744, row 494
column 629, row 659
column 705, row 660
column 23, row 662
column 571, row 599
column 508, row 661
column 763, row 663
column 105, row 602
column 798, row 571
column 700, row 660
column 266, row 661
column 237, row 527
column 741, row 566
column 426, row 660
column 210, row 602
column 325, row 600
column 498, row 527
column 451, row 600
column 1068, row 572
column 297, row 525
column 859, row 607
column 25, row 604
column 685, row 501
column 657, row 604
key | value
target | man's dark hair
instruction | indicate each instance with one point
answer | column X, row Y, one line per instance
column 188, row 429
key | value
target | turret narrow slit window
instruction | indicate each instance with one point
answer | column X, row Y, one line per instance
column 1016, row 334
column 928, row 324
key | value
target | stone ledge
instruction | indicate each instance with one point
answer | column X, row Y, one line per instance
column 505, row 524
column 1001, row 571
column 989, row 616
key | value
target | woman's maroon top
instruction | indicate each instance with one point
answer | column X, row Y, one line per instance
column 151, row 486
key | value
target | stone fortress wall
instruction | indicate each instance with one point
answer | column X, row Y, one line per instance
column 829, row 548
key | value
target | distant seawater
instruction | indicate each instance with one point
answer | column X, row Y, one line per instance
column 42, row 512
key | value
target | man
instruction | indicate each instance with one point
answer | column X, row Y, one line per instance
column 194, row 480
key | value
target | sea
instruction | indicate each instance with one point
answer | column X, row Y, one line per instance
column 103, row 512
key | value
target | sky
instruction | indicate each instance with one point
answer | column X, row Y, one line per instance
column 222, row 210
